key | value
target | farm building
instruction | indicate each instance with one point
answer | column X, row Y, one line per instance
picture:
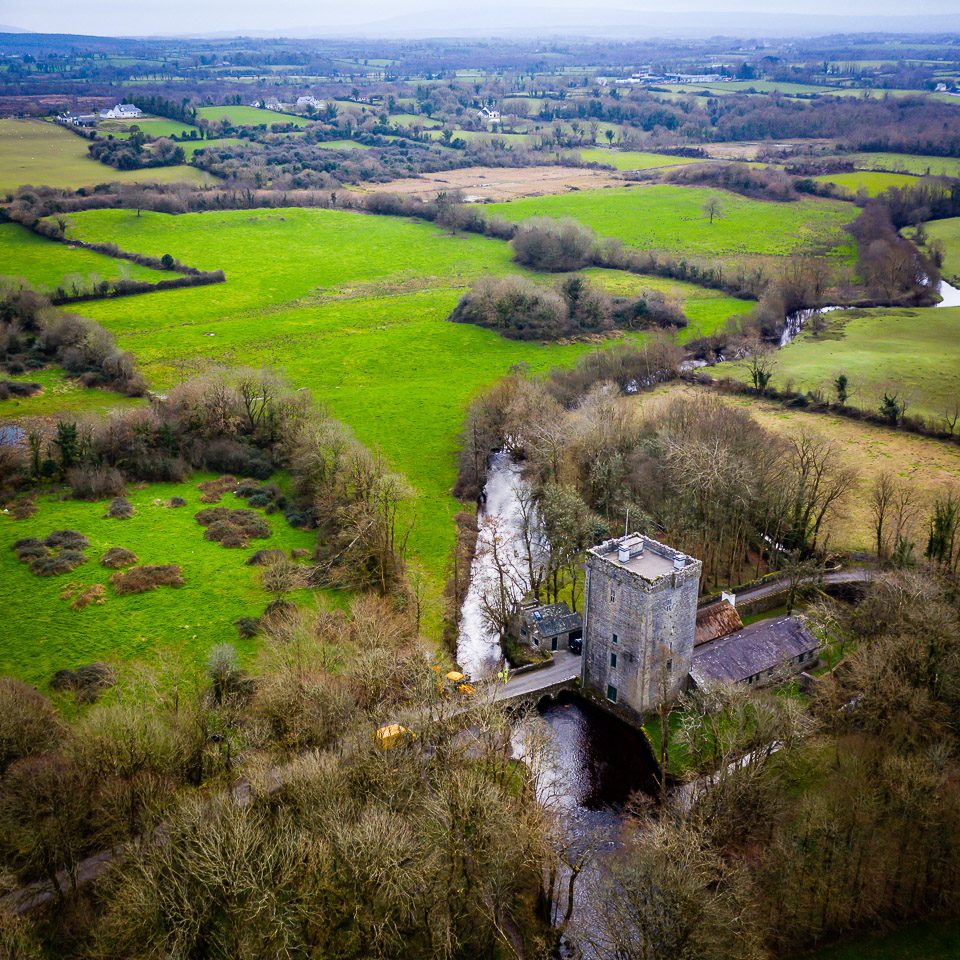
column 122, row 111
column 640, row 621
column 763, row 653
column 78, row 119
column 488, row 115
column 305, row 103
column 716, row 620
column 551, row 627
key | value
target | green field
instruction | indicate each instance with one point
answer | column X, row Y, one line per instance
column 908, row 163
column 44, row 264
column 928, row 941
column 249, row 116
column 672, row 218
column 151, row 126
column 948, row 233
column 871, row 182
column 344, row 145
column 60, row 394
column 913, row 352
column 45, row 154
column 42, row 634
column 632, row 159
column 191, row 147
column 353, row 307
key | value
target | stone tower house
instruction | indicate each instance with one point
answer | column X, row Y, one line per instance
column 640, row 615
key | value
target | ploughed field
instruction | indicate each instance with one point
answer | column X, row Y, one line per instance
column 42, row 633
column 43, row 153
column 673, row 219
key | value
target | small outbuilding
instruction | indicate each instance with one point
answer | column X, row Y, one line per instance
column 550, row 627
column 716, row 620
column 763, row 653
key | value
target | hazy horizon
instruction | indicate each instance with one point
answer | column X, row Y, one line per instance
column 491, row 17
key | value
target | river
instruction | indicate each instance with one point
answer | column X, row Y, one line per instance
column 593, row 762
column 949, row 297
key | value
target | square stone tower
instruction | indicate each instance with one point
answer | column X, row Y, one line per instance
column 640, row 615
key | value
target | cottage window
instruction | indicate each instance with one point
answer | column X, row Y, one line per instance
column 612, row 693
column 616, row 639
column 613, row 661
column 770, row 673
column 523, row 631
column 613, row 595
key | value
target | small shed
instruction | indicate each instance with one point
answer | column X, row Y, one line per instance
column 766, row 652
column 716, row 620
column 551, row 626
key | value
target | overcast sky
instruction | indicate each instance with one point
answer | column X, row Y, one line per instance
column 317, row 17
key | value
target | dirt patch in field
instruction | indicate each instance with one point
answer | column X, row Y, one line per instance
column 501, row 183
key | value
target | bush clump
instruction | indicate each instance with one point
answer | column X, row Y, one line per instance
column 142, row 579
column 247, row 627
column 66, row 539
column 118, row 557
column 29, row 724
column 64, row 561
column 120, row 509
column 86, row 682
column 175, row 502
column 263, row 558
column 232, row 528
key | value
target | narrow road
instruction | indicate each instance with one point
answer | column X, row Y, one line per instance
column 851, row 575
column 565, row 667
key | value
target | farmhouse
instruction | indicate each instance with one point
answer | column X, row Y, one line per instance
column 305, row 103
column 272, row 104
column 488, row 115
column 549, row 627
column 766, row 652
column 640, row 621
column 122, row 111
column 78, row 120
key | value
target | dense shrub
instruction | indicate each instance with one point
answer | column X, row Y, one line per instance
column 264, row 557
column 762, row 183
column 120, row 509
column 175, row 502
column 68, row 539
column 86, row 682
column 64, row 561
column 247, row 627
column 117, row 557
column 555, row 245
column 91, row 482
column 28, row 722
column 232, row 528
column 521, row 309
column 142, row 579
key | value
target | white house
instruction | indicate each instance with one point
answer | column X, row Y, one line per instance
column 122, row 111
column 487, row 115
column 304, row 103
column 273, row 104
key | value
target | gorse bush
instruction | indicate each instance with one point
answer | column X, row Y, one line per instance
column 142, row 579
column 554, row 245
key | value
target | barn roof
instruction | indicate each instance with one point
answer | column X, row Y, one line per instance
column 716, row 620
column 765, row 645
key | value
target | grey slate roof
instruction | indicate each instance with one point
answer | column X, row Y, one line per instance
column 553, row 619
column 765, row 645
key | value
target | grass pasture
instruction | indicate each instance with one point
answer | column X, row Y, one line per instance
column 43, row 265
column 672, row 218
column 151, row 126
column 948, row 233
column 353, row 307
column 632, row 159
column 913, row 352
column 43, row 634
column 249, row 116
column 871, row 182
column 59, row 394
column 908, row 163
column 45, row 154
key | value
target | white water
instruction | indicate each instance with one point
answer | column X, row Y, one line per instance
column 500, row 520
column 949, row 297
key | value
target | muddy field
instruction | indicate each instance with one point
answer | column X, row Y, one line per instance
column 499, row 183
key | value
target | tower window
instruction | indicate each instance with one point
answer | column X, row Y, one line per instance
column 613, row 661
column 616, row 639
column 612, row 693
column 613, row 594
column 669, row 666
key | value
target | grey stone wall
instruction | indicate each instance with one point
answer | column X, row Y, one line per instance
column 654, row 624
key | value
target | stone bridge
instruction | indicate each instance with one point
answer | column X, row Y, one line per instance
column 562, row 674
